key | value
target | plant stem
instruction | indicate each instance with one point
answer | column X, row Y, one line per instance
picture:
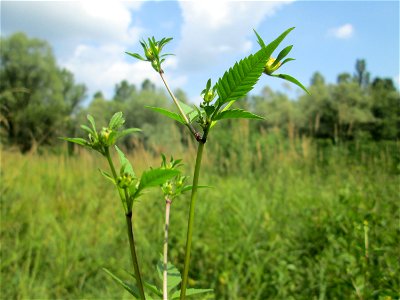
column 191, row 219
column 188, row 124
column 110, row 162
column 134, row 256
column 165, row 262
column 114, row 173
column 128, row 217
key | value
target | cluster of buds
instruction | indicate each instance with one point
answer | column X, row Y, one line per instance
column 175, row 186
column 125, row 180
column 106, row 137
column 152, row 52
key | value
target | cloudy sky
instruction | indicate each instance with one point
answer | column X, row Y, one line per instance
column 90, row 37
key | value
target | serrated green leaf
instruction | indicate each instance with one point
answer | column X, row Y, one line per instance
column 191, row 292
column 91, row 120
column 292, row 80
column 236, row 114
column 135, row 55
column 125, row 164
column 79, row 141
column 125, row 132
column 156, row 177
column 173, row 275
column 241, row 78
column 117, row 120
column 106, row 175
column 129, row 287
column 168, row 113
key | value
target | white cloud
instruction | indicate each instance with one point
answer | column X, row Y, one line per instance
column 84, row 20
column 345, row 31
column 90, row 38
column 212, row 29
column 104, row 66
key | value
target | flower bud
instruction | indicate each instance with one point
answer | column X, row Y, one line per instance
column 149, row 54
column 179, row 183
column 124, row 181
column 268, row 69
column 105, row 134
column 208, row 96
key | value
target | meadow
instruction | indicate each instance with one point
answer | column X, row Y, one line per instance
column 289, row 220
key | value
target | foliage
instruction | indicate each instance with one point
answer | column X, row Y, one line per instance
column 301, row 209
column 342, row 111
column 37, row 97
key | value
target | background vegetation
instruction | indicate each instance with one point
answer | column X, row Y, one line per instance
column 305, row 204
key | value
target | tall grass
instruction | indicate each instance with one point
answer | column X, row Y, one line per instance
column 291, row 228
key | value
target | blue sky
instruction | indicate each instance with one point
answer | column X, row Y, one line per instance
column 90, row 37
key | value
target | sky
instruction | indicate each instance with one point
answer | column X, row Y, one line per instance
column 89, row 38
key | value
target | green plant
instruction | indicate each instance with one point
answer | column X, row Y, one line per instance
column 233, row 85
column 128, row 185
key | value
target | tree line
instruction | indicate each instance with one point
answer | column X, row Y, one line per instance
column 39, row 101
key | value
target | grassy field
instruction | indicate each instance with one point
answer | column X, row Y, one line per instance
column 288, row 224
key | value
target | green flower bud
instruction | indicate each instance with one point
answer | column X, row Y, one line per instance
column 179, row 183
column 124, row 181
column 208, row 97
column 104, row 135
column 168, row 189
column 149, row 54
column 268, row 69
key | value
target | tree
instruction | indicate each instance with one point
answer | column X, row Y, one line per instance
column 147, row 85
column 35, row 94
column 344, row 78
column 124, row 91
column 361, row 76
column 353, row 109
column 318, row 114
column 385, row 109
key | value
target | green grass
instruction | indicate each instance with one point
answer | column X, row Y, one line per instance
column 291, row 228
